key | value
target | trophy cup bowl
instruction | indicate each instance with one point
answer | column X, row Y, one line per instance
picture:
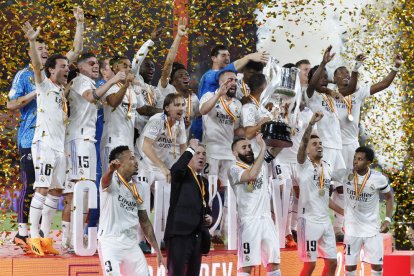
column 277, row 132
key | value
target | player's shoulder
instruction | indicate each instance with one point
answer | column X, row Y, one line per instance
column 378, row 176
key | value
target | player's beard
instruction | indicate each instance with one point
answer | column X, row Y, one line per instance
column 248, row 158
column 231, row 93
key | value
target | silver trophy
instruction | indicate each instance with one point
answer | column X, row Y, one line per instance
column 280, row 102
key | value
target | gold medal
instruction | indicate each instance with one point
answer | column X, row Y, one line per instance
column 321, row 192
column 350, row 176
column 250, row 186
column 350, row 117
column 129, row 115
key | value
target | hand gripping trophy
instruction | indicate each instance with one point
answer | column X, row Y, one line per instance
column 280, row 102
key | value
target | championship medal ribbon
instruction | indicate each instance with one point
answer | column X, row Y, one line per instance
column 250, row 184
column 227, row 109
column 254, row 100
column 200, row 186
column 329, row 102
column 244, row 88
column 321, row 179
column 359, row 192
column 170, row 132
column 149, row 95
column 132, row 188
column 348, row 102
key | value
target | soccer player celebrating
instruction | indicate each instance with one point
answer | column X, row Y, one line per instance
column 362, row 188
column 121, row 211
column 48, row 142
column 22, row 96
column 258, row 237
column 315, row 231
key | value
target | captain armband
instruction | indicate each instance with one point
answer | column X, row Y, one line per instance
column 268, row 157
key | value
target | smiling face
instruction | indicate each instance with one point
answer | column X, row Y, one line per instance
column 315, row 149
column 342, row 77
column 89, row 67
column 243, row 151
column 60, row 73
column 323, row 81
column 175, row 109
column 42, row 51
column 123, row 65
column 199, row 159
column 303, row 73
column 222, row 59
column 147, row 70
column 231, row 77
column 181, row 80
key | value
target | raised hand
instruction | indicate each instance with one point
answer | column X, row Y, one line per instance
column 398, row 60
column 78, row 13
column 120, row 76
column 317, row 116
column 182, row 26
column 114, row 165
column 260, row 57
column 361, row 57
column 29, row 32
column 327, row 56
column 260, row 141
column 224, row 87
column 156, row 33
column 193, row 143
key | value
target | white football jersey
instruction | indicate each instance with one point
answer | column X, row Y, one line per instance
column 362, row 214
column 328, row 127
column 119, row 209
column 83, row 114
column 166, row 147
column 289, row 155
column 313, row 206
column 251, row 204
column 50, row 121
column 148, row 95
column 219, row 128
column 119, row 122
column 349, row 129
column 250, row 116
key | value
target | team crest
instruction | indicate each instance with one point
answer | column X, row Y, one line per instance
column 29, row 156
column 372, row 188
column 42, row 178
column 247, row 258
column 81, row 171
column 350, row 177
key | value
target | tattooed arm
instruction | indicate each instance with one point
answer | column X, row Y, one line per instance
column 317, row 116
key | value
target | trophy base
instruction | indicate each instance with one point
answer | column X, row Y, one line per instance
column 277, row 134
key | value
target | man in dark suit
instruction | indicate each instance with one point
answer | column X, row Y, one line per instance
column 189, row 213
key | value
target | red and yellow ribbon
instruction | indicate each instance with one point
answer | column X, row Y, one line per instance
column 200, row 186
column 132, row 188
column 358, row 192
column 227, row 109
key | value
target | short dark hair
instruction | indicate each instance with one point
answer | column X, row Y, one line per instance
column 51, row 62
column 255, row 65
column 116, row 152
column 85, row 56
column 216, row 49
column 339, row 68
column 115, row 60
column 312, row 71
column 170, row 98
column 302, row 61
column 175, row 67
column 314, row 136
column 256, row 81
column 369, row 153
column 233, row 145
column 289, row 65
column 224, row 72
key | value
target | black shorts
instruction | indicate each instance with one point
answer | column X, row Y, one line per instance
column 26, row 165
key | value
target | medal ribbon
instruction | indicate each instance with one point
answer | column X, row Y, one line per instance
column 244, row 88
column 348, row 102
column 358, row 192
column 189, row 106
column 321, row 176
column 149, row 95
column 169, row 128
column 254, row 100
column 329, row 102
column 132, row 188
column 200, row 186
column 227, row 109
column 245, row 166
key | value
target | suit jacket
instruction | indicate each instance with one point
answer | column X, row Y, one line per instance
column 186, row 216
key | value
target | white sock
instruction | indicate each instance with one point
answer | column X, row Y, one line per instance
column 274, row 273
column 65, row 232
column 376, row 273
column 48, row 213
column 350, row 273
column 242, row 273
column 23, row 231
column 35, row 213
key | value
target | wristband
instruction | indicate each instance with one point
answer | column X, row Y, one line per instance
column 387, row 219
column 358, row 64
column 268, row 157
column 190, row 149
column 95, row 96
column 395, row 69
